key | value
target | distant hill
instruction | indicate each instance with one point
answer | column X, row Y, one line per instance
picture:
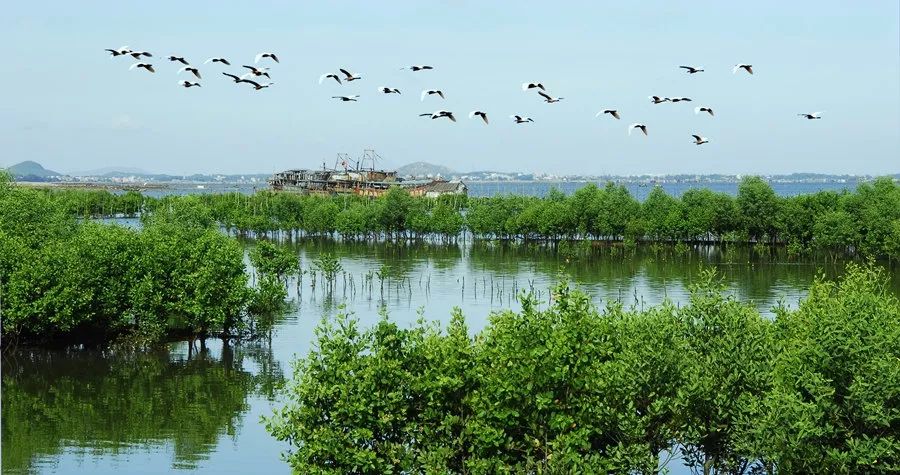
column 424, row 169
column 111, row 171
column 28, row 169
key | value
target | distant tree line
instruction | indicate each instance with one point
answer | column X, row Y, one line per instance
column 568, row 388
column 865, row 221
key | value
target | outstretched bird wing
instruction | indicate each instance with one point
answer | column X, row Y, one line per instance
column 544, row 95
column 232, row 76
column 347, row 73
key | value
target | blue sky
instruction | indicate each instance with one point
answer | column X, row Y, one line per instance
column 67, row 105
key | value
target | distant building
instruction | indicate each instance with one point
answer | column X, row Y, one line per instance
column 438, row 188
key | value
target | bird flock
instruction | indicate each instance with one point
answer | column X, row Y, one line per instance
column 251, row 77
column 344, row 76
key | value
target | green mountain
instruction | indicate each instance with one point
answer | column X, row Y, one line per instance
column 31, row 169
column 424, row 169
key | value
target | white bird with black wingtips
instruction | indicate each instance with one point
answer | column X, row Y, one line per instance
column 521, row 120
column 346, row 98
column 254, row 71
column 124, row 50
column 192, row 70
column 637, row 125
column 257, row 86
column 147, row 66
column 389, row 90
column 659, row 100
column 548, row 98
column 217, row 60
column 138, row 54
column 180, row 59
column 431, row 92
column 482, row 115
column 698, row 140
column 188, row 84
column 266, row 55
column 233, row 77
column 813, row 116
column 439, row 114
column 745, row 67
column 613, row 112
column 532, row 85
column 418, row 68
column 323, row 77
column 348, row 76
column 706, row 109
column 691, row 69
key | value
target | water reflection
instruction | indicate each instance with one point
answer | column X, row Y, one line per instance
column 181, row 400
column 197, row 408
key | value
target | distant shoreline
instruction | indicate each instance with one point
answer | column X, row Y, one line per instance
column 94, row 185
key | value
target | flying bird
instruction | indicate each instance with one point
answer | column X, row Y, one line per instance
column 147, row 66
column 813, row 116
column 257, row 71
column 326, row 76
column 430, row 92
column 698, row 140
column 531, row 85
column 680, row 99
column 521, row 120
column 189, row 84
column 611, row 112
column 745, row 67
column 698, row 110
column 266, row 55
column 349, row 76
column 637, row 126
column 439, row 114
column 418, row 68
column 658, row 100
column 232, row 76
column 483, row 115
column 180, row 59
column 691, row 69
column 138, row 54
column 346, row 98
column 191, row 69
column 118, row 52
column 217, row 60
column 548, row 98
column 389, row 90
column 257, row 86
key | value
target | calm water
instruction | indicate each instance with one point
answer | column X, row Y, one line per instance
column 639, row 191
column 197, row 408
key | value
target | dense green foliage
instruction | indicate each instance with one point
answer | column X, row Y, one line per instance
column 865, row 221
column 61, row 278
column 570, row 389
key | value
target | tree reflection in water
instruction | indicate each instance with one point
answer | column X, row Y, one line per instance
column 88, row 402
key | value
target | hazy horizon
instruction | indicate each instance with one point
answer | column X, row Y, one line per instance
column 71, row 107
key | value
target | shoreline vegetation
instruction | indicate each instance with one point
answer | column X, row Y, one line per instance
column 570, row 388
column 68, row 281
column 864, row 222
column 65, row 277
column 558, row 386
